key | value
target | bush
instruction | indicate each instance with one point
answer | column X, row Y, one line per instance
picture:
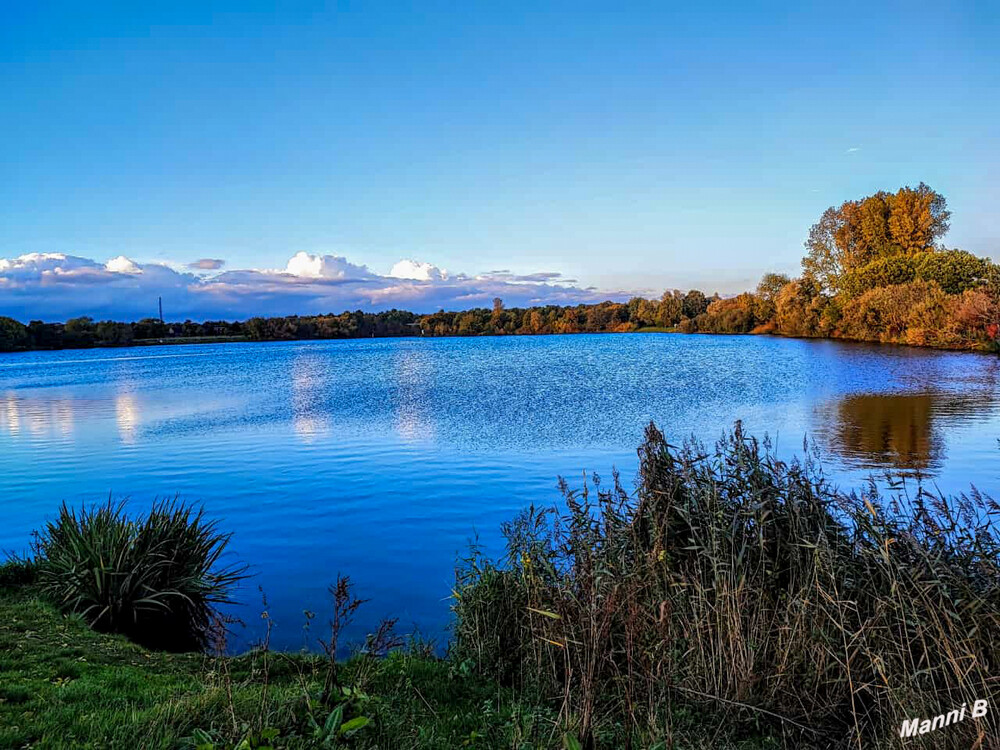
column 976, row 315
column 752, row 588
column 885, row 313
column 953, row 270
column 687, row 325
column 798, row 308
column 156, row 579
column 931, row 323
column 732, row 315
column 897, row 269
column 17, row 572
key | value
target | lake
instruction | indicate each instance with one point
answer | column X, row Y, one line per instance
column 383, row 458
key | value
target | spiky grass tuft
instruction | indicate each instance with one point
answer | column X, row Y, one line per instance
column 156, row 579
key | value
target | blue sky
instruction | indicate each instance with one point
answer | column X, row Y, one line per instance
column 582, row 151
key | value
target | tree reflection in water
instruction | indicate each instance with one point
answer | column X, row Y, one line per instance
column 902, row 431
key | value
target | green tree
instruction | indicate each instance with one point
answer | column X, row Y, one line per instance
column 499, row 318
column 79, row 332
column 770, row 284
column 13, row 335
column 695, row 303
column 670, row 309
column 954, row 270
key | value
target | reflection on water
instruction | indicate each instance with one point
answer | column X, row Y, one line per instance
column 10, row 415
column 127, row 417
column 62, row 418
column 903, row 431
column 38, row 417
column 414, row 373
column 309, row 420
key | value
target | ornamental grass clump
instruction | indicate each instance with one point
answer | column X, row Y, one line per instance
column 733, row 583
column 156, row 579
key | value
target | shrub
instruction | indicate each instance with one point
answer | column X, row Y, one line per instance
column 953, row 270
column 798, row 306
column 976, row 315
column 750, row 587
column 156, row 579
column 687, row 325
column 732, row 315
column 18, row 571
column 897, row 269
column 884, row 314
column 930, row 323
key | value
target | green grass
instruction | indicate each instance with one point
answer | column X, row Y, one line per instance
column 63, row 685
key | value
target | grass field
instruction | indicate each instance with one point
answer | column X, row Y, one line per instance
column 62, row 685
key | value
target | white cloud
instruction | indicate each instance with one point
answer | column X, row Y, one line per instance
column 853, row 149
column 121, row 264
column 411, row 269
column 56, row 286
column 336, row 267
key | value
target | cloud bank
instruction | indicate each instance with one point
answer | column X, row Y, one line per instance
column 57, row 286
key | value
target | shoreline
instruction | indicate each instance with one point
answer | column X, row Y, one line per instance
column 205, row 340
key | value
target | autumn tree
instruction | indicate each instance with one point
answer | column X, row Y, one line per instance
column 768, row 288
column 878, row 226
column 732, row 315
column 918, row 218
column 498, row 318
column 798, row 308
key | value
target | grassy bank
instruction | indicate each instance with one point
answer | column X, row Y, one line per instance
column 190, row 340
column 63, row 685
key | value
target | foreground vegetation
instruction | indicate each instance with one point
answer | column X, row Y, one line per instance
column 732, row 600
column 751, row 587
column 875, row 270
column 156, row 579
column 64, row 685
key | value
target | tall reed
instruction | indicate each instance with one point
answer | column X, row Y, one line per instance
column 752, row 589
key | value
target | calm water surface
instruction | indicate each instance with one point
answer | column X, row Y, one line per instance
column 382, row 458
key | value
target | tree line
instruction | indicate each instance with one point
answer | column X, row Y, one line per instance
column 874, row 270
column 604, row 317
column 85, row 332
